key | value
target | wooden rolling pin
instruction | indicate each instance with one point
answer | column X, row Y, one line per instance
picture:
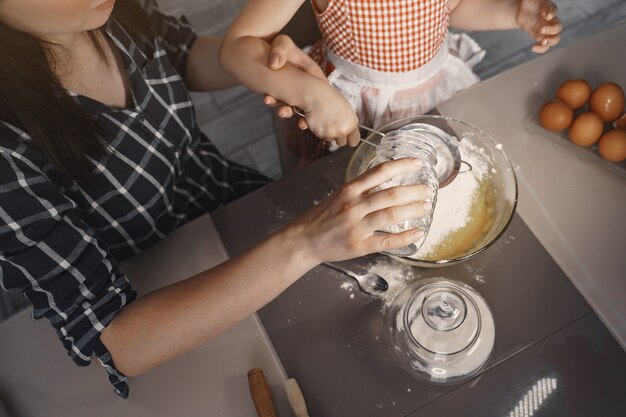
column 261, row 394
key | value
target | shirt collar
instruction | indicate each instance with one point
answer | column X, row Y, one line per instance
column 134, row 58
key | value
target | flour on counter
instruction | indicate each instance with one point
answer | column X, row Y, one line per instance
column 397, row 275
column 475, row 273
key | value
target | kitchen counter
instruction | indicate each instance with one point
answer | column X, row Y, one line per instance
column 574, row 205
column 546, row 280
column 37, row 378
column 331, row 337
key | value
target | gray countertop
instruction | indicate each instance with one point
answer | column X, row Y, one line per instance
column 547, row 337
column 571, row 201
column 333, row 341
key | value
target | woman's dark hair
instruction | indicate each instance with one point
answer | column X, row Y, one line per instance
column 33, row 99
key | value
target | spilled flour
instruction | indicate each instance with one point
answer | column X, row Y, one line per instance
column 397, row 275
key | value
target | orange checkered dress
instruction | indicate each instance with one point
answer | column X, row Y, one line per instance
column 391, row 59
column 385, row 35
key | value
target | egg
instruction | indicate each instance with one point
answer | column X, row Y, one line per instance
column 555, row 115
column 586, row 129
column 607, row 100
column 620, row 123
column 612, row 145
column 574, row 93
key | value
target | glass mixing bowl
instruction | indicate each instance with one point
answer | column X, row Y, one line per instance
column 501, row 183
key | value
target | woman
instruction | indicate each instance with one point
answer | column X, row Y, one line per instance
column 101, row 156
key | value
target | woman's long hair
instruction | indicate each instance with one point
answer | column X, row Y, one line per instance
column 33, row 99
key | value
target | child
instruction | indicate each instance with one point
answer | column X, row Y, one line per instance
column 390, row 59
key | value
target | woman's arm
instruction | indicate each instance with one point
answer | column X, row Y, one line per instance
column 538, row 18
column 245, row 53
column 176, row 319
column 203, row 71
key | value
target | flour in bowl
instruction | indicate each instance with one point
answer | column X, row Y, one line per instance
column 463, row 209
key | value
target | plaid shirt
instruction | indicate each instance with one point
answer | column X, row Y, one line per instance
column 60, row 243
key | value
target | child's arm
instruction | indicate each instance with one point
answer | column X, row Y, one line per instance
column 536, row 17
column 204, row 72
column 245, row 54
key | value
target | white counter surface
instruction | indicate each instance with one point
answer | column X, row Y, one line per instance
column 574, row 205
column 37, row 378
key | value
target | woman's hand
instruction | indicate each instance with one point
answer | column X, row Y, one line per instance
column 342, row 226
column 284, row 51
column 539, row 19
column 330, row 115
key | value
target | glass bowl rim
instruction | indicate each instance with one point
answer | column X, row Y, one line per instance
column 451, row 261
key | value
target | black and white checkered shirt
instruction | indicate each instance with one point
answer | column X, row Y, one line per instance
column 60, row 244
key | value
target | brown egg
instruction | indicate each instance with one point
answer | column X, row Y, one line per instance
column 574, row 93
column 612, row 145
column 620, row 123
column 586, row 129
column 607, row 100
column 555, row 115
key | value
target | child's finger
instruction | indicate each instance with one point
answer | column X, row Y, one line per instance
column 302, row 124
column 545, row 44
column 553, row 27
column 354, row 138
column 341, row 141
column 549, row 10
column 550, row 41
column 553, row 40
column 541, row 47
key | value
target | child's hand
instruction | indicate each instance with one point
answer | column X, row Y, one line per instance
column 538, row 19
column 331, row 117
column 328, row 115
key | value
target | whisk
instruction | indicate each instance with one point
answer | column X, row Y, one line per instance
column 299, row 113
